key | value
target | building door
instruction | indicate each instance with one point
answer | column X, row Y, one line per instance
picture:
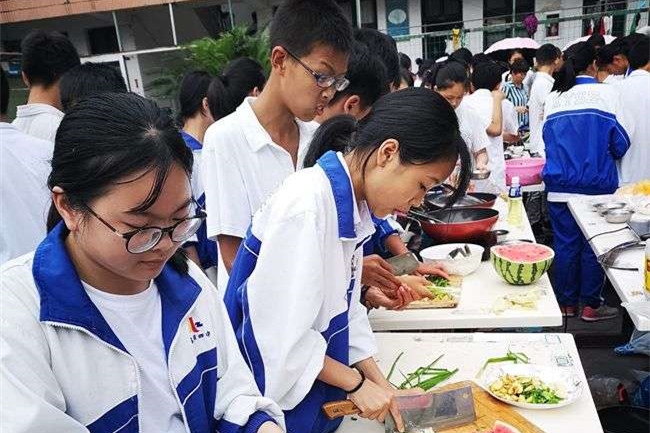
column 439, row 16
column 497, row 12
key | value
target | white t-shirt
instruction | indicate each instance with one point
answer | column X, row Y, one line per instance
column 137, row 321
column 241, row 167
column 24, row 197
column 38, row 120
column 481, row 101
column 541, row 88
column 471, row 130
column 635, row 164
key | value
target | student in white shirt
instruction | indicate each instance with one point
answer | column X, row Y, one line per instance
column 547, row 60
column 293, row 294
column 24, row 167
column 107, row 326
column 635, row 164
column 46, row 56
column 450, row 80
column 489, row 103
column 248, row 154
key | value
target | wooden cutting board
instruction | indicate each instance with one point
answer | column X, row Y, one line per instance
column 488, row 411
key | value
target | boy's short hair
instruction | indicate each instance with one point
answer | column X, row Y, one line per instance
column 382, row 45
column 519, row 66
column 486, row 75
column 547, row 54
column 479, row 58
column 87, row 80
column 639, row 53
column 299, row 25
column 46, row 56
column 605, row 54
column 367, row 76
column 596, row 40
column 404, row 61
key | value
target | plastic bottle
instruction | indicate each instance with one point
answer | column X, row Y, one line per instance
column 647, row 269
column 515, row 204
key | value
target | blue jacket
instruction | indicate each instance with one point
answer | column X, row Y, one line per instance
column 63, row 369
column 584, row 135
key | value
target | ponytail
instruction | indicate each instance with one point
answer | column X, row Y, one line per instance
column 577, row 59
column 218, row 98
column 229, row 89
column 334, row 134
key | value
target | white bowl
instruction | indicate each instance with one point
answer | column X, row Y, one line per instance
column 459, row 265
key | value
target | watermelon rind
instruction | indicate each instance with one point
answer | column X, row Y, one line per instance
column 520, row 273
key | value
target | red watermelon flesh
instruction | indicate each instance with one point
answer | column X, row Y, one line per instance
column 502, row 427
column 524, row 252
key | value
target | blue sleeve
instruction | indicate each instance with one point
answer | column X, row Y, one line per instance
column 383, row 229
column 619, row 141
column 254, row 423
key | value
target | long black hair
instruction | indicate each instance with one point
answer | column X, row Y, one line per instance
column 577, row 58
column 445, row 74
column 422, row 121
column 128, row 134
column 228, row 90
column 194, row 87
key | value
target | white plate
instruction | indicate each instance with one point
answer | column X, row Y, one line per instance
column 564, row 378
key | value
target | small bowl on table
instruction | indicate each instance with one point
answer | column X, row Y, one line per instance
column 618, row 216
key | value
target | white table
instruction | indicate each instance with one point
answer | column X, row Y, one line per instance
column 628, row 284
column 468, row 352
column 479, row 293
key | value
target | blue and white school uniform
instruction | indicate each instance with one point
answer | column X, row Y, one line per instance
column 584, row 135
column 63, row 367
column 294, row 290
column 205, row 247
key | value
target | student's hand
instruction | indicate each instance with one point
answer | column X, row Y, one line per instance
column 378, row 272
column 270, row 427
column 375, row 298
column 375, row 402
column 418, row 284
column 498, row 95
column 431, row 269
column 521, row 110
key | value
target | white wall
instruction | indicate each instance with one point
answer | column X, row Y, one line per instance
column 411, row 47
column 473, row 16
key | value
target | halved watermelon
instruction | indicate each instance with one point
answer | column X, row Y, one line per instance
column 522, row 263
column 502, row 427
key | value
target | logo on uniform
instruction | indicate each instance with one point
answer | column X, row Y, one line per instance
column 196, row 330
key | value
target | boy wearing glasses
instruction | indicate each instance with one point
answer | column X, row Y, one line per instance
column 248, row 154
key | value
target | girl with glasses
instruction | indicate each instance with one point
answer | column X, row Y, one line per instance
column 107, row 326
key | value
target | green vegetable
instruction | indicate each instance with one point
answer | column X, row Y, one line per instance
column 438, row 281
column 423, row 377
column 516, row 357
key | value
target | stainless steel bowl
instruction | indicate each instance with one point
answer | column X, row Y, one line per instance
column 618, row 216
column 480, row 175
column 606, row 207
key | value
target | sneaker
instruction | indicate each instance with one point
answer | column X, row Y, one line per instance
column 603, row 312
column 569, row 311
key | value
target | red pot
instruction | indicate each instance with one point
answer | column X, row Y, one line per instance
column 460, row 225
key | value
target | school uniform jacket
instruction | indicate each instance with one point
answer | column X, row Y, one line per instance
column 63, row 369
column 584, row 134
column 293, row 294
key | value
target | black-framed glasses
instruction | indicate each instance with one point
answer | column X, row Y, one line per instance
column 323, row 80
column 146, row 238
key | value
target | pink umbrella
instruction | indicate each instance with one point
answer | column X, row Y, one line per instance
column 608, row 40
column 512, row 44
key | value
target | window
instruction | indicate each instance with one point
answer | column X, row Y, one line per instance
column 500, row 12
column 368, row 12
column 103, row 40
column 604, row 7
column 552, row 25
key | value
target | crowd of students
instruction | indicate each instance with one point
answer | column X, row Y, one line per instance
column 213, row 271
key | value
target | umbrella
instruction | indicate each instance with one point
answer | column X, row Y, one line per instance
column 512, row 44
column 500, row 50
column 608, row 40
